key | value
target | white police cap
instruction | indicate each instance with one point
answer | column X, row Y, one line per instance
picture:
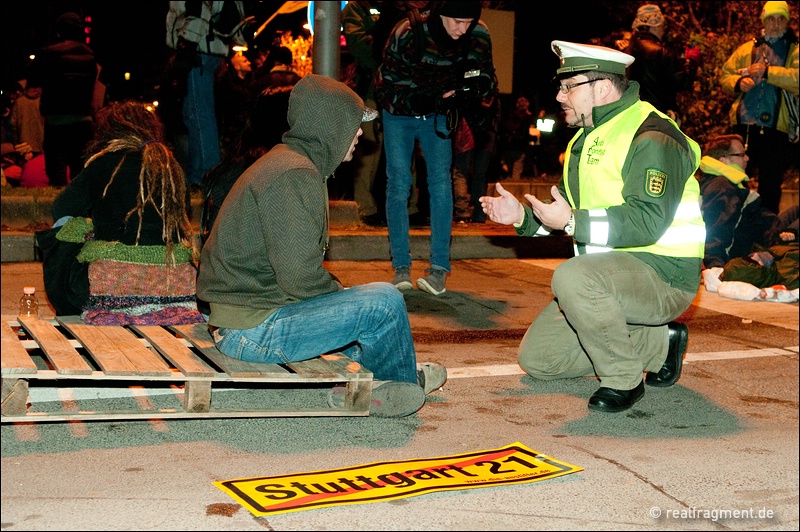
column 581, row 57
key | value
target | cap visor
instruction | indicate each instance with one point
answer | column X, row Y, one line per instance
column 369, row 114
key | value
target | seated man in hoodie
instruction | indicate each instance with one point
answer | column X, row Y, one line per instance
column 734, row 217
column 262, row 272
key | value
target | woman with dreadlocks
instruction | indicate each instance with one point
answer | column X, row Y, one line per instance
column 129, row 206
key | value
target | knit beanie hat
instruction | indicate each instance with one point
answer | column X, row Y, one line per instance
column 648, row 15
column 463, row 9
column 775, row 8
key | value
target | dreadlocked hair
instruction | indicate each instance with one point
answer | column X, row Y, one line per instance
column 132, row 126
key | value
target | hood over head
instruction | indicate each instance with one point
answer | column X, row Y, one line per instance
column 324, row 116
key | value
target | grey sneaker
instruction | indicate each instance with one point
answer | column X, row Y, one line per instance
column 389, row 398
column 431, row 376
column 402, row 278
column 433, row 283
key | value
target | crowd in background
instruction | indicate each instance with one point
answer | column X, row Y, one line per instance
column 518, row 149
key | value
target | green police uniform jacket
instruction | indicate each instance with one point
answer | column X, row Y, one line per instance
column 630, row 181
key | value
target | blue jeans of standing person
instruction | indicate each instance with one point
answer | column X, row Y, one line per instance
column 399, row 134
column 200, row 118
column 368, row 323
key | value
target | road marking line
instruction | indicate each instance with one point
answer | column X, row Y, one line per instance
column 464, row 372
column 504, row 370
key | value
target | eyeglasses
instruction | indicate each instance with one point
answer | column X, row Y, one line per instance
column 566, row 88
column 737, row 154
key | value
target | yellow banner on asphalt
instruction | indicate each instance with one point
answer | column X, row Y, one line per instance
column 385, row 481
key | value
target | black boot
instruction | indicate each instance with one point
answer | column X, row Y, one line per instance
column 670, row 372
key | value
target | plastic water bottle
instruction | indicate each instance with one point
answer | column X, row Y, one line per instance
column 28, row 304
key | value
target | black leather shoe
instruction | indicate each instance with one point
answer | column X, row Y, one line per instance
column 670, row 372
column 611, row 400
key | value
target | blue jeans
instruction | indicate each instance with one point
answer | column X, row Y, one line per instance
column 368, row 323
column 199, row 116
column 399, row 134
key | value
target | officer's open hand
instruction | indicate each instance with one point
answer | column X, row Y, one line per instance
column 555, row 214
column 505, row 209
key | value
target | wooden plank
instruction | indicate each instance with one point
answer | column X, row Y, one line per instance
column 358, row 396
column 15, row 359
column 65, row 359
column 116, row 350
column 197, row 396
column 197, row 334
column 344, row 364
column 14, row 397
column 175, row 351
column 314, row 368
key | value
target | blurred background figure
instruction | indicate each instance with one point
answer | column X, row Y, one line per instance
column 359, row 20
column 474, row 148
column 660, row 73
column 280, row 74
column 233, row 94
column 67, row 73
column 514, row 138
column 762, row 74
column 201, row 34
column 734, row 216
column 27, row 123
column 264, row 127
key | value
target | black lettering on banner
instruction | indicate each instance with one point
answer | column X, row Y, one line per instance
column 277, row 494
column 495, row 466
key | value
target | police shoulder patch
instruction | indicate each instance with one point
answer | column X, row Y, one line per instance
column 655, row 183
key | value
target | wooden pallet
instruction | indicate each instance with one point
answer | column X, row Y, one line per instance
column 184, row 355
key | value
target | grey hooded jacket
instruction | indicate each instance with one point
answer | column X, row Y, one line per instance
column 267, row 246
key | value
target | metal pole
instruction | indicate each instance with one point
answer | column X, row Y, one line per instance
column 327, row 33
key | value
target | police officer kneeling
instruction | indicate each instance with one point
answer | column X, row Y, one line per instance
column 629, row 198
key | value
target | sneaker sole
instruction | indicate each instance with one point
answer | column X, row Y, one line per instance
column 389, row 399
column 404, row 285
column 396, row 399
column 422, row 284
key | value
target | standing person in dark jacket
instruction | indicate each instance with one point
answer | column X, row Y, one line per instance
column 262, row 271
column 421, row 93
column 660, row 73
column 66, row 71
column 629, row 199
column 733, row 213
